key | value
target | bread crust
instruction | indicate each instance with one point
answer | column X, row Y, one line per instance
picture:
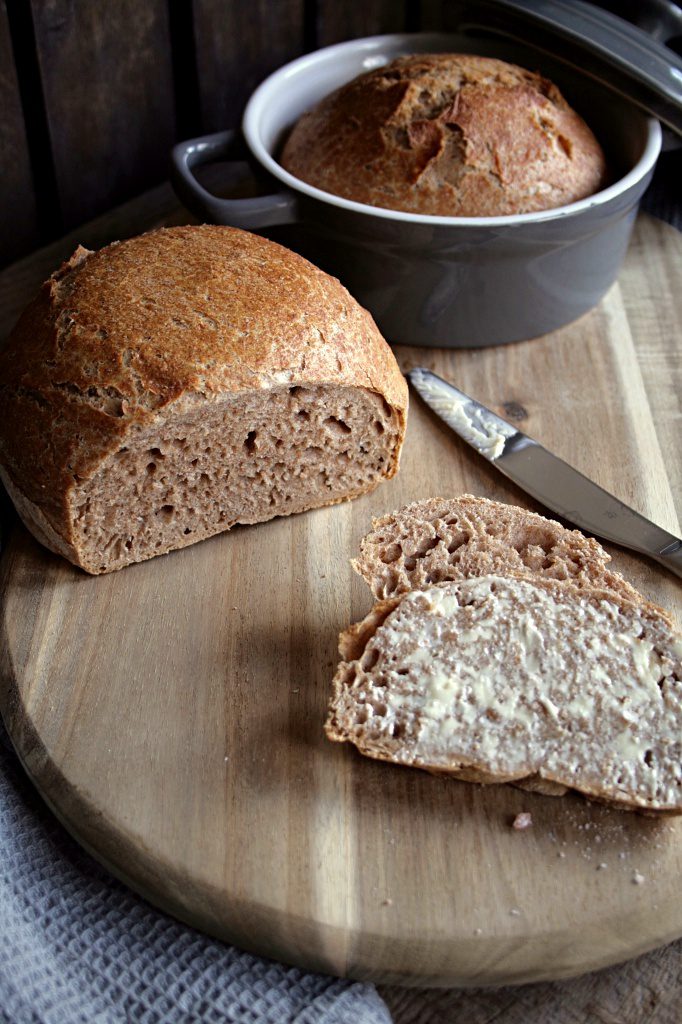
column 116, row 340
column 451, row 135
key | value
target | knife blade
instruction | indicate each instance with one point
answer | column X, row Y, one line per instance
column 545, row 476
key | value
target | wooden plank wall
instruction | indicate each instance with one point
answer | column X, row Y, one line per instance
column 93, row 94
column 19, row 227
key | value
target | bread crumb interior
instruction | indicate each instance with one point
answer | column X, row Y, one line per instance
column 508, row 679
column 238, row 459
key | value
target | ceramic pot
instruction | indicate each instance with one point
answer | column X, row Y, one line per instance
column 438, row 281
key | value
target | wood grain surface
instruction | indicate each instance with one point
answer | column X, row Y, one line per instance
column 18, row 218
column 335, row 22
column 171, row 713
column 108, row 91
column 237, row 46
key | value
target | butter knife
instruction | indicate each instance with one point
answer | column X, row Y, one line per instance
column 545, row 476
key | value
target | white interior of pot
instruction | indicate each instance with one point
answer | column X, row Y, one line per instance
column 629, row 137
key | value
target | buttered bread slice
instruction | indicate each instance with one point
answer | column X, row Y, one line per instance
column 506, row 679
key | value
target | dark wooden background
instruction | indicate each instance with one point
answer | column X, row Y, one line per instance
column 93, row 93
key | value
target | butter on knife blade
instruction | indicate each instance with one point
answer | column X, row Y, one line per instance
column 544, row 476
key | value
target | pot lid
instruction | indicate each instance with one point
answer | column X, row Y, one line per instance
column 599, row 44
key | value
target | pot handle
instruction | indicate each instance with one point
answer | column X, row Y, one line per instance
column 251, row 214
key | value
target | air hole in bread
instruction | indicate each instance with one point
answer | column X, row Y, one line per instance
column 427, row 545
column 379, row 427
column 648, row 757
column 303, row 414
column 151, row 468
column 337, row 425
column 391, row 554
column 250, row 443
column 410, row 563
column 166, row 511
column 369, row 660
column 392, row 582
column 156, row 453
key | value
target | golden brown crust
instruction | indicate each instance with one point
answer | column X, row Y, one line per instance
column 353, row 640
column 448, row 135
column 115, row 338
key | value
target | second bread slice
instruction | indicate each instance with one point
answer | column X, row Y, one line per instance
column 443, row 539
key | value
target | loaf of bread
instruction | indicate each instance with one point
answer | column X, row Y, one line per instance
column 165, row 388
column 453, row 135
column 504, row 679
column 444, row 539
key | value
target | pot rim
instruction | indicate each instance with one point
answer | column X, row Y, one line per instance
column 276, row 83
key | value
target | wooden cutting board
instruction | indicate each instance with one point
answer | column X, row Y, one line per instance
column 171, row 714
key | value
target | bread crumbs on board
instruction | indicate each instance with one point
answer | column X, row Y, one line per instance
column 522, row 821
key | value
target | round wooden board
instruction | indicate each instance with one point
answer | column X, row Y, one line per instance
column 171, row 714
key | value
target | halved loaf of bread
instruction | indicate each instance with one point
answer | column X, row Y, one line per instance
column 167, row 387
column 504, row 679
column 444, row 539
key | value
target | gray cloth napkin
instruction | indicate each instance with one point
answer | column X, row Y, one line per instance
column 77, row 947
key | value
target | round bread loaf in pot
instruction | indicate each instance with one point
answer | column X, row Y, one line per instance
column 448, row 135
column 167, row 387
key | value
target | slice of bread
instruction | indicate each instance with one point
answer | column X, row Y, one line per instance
column 504, row 679
column 444, row 539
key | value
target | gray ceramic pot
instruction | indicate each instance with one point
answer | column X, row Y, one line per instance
column 438, row 281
